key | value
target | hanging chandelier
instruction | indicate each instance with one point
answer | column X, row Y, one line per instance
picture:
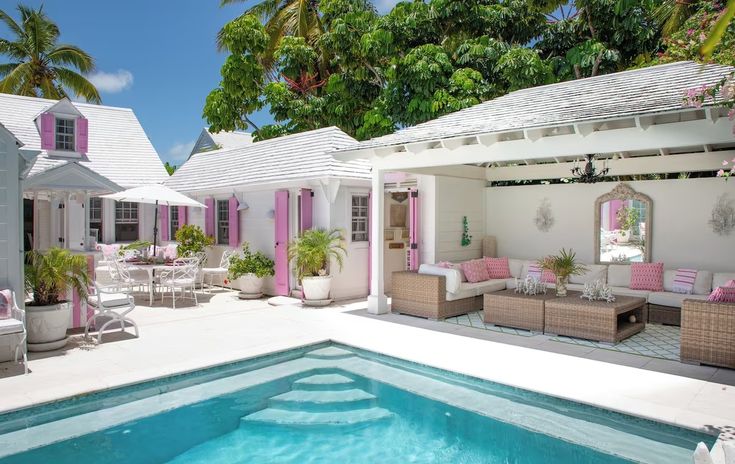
column 589, row 173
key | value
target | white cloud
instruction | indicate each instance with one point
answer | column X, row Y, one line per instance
column 112, row 82
column 180, row 151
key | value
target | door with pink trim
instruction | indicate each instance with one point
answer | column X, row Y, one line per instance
column 282, row 269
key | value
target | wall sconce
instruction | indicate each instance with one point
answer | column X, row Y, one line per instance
column 242, row 206
column 271, row 214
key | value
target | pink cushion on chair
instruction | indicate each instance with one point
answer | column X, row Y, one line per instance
column 497, row 268
column 6, row 304
column 548, row 277
column 723, row 295
column 475, row 270
column 647, row 276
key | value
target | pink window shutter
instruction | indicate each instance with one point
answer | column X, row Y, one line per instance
column 307, row 210
column 234, row 222
column 413, row 232
column 165, row 226
column 82, row 125
column 370, row 242
column 281, row 278
column 48, row 121
column 183, row 215
column 209, row 217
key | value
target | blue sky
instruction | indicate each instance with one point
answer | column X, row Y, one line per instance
column 155, row 56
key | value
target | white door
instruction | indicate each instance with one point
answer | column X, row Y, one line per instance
column 76, row 213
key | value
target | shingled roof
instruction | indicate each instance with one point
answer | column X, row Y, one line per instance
column 306, row 155
column 643, row 91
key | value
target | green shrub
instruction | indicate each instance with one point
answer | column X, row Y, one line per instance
column 248, row 262
column 192, row 240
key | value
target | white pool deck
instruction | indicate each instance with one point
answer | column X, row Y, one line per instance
column 226, row 329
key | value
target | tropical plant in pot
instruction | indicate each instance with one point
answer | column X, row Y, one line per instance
column 192, row 240
column 311, row 254
column 562, row 266
column 250, row 269
column 627, row 218
column 48, row 277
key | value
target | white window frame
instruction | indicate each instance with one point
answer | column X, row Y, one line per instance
column 127, row 213
column 69, row 138
column 222, row 222
column 359, row 214
column 173, row 221
column 96, row 221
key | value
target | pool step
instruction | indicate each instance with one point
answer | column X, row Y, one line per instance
column 311, row 419
column 323, row 401
column 330, row 352
column 323, row 382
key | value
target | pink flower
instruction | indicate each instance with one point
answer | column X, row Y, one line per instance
column 720, row 173
column 690, row 32
column 724, row 162
column 702, row 36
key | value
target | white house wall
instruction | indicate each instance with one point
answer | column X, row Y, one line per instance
column 352, row 282
column 9, row 217
column 456, row 198
column 681, row 237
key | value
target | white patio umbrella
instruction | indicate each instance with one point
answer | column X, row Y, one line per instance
column 154, row 194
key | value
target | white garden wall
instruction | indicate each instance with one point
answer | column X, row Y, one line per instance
column 681, row 237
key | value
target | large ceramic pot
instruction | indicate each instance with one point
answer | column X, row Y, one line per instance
column 250, row 284
column 316, row 288
column 47, row 326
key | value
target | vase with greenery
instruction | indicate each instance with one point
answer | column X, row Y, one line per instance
column 250, row 269
column 192, row 240
column 562, row 266
column 627, row 218
column 311, row 254
column 48, row 278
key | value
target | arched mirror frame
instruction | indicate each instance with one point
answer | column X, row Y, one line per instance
column 623, row 191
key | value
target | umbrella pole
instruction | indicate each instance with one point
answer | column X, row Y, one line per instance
column 155, row 229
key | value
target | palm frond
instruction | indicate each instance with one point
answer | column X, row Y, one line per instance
column 71, row 55
column 77, row 84
column 10, row 23
column 14, row 81
column 718, row 30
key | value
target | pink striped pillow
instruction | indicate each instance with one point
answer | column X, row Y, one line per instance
column 647, row 276
column 730, row 283
column 475, row 270
column 684, row 281
column 497, row 268
column 6, row 304
column 722, row 295
column 534, row 271
column 548, row 277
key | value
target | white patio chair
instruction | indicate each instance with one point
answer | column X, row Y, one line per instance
column 202, row 257
column 126, row 280
column 110, row 303
column 182, row 276
column 221, row 271
column 14, row 326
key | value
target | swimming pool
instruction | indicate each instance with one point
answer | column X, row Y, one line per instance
column 332, row 404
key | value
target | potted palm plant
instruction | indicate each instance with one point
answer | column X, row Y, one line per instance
column 249, row 269
column 627, row 219
column 311, row 254
column 48, row 277
column 562, row 265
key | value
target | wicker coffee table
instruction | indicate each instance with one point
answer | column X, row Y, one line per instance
column 595, row 320
column 511, row 309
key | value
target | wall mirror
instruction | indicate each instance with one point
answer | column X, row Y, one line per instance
column 623, row 226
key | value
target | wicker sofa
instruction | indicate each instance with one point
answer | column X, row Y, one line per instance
column 708, row 333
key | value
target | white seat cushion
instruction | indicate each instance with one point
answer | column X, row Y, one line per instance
column 618, row 275
column 472, row 289
column 594, row 272
column 702, row 283
column 10, row 326
column 510, row 283
column 625, row 291
column 672, row 299
column 214, row 270
column 453, row 276
column 110, row 300
column 515, row 266
column 178, row 282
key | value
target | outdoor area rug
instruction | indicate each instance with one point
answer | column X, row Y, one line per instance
column 657, row 341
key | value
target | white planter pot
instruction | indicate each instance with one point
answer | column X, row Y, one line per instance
column 250, row 284
column 624, row 236
column 47, row 326
column 316, row 288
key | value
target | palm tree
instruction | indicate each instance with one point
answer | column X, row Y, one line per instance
column 299, row 18
column 40, row 66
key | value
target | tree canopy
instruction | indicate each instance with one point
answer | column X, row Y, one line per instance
column 344, row 64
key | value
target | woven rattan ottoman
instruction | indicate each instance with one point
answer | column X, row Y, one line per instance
column 594, row 320
column 510, row 309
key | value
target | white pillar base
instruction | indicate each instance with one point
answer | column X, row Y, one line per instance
column 378, row 304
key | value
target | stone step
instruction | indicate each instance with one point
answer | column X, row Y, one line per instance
column 323, row 382
column 313, row 419
column 330, row 352
column 322, row 401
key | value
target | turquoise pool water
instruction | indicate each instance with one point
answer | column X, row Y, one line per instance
column 332, row 404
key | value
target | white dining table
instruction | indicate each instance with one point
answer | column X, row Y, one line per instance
column 151, row 270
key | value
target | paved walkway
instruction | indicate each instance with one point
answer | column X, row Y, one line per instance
column 226, row 329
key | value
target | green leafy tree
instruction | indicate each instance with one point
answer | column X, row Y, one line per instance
column 40, row 66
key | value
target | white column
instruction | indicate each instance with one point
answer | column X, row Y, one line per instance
column 377, row 301
column 36, row 228
column 54, row 220
column 85, row 210
column 67, row 201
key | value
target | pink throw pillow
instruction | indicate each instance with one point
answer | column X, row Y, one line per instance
column 723, row 295
column 475, row 270
column 548, row 277
column 534, row 271
column 497, row 268
column 444, row 264
column 730, row 283
column 6, row 304
column 647, row 276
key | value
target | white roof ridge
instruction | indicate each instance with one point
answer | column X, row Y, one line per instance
column 75, row 103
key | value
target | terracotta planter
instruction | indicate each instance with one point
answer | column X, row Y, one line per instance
column 47, row 326
column 316, row 288
column 250, row 284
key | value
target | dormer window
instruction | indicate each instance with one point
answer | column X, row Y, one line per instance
column 65, row 134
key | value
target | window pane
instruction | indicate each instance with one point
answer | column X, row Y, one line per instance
column 223, row 222
column 359, row 218
column 65, row 134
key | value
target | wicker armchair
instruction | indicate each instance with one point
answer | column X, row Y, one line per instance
column 708, row 333
column 425, row 295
